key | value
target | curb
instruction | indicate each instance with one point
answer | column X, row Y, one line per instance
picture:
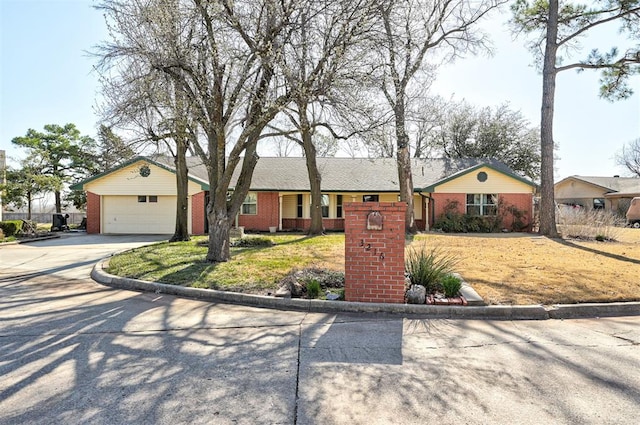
column 576, row 311
column 516, row 312
column 28, row 240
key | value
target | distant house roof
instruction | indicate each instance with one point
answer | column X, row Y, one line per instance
column 289, row 174
column 617, row 185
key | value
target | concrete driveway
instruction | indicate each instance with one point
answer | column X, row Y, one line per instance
column 75, row 352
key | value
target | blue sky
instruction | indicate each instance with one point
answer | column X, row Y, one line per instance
column 46, row 77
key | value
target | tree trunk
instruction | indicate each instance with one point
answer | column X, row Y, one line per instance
column 315, row 178
column 58, row 202
column 29, row 206
column 181, row 232
column 219, row 227
column 547, row 196
column 404, row 164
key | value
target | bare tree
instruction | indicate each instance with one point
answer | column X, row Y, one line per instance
column 223, row 62
column 319, row 52
column 629, row 156
column 412, row 33
column 147, row 102
column 559, row 26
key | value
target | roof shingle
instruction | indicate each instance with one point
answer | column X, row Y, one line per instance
column 289, row 174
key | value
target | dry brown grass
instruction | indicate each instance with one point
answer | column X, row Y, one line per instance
column 529, row 269
column 504, row 268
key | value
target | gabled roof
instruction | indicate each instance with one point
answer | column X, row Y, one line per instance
column 489, row 163
column 157, row 161
column 620, row 185
column 289, row 174
column 360, row 174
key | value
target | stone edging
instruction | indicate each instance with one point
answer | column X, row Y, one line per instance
column 524, row 312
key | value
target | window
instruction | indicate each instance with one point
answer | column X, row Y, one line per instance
column 598, row 204
column 250, row 205
column 370, row 198
column 142, row 198
column 300, row 207
column 482, row 204
column 339, row 206
column 153, row 198
column 324, row 205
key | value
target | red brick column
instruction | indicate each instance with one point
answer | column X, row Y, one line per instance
column 93, row 213
column 197, row 213
column 374, row 259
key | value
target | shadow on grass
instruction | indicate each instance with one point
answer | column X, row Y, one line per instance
column 302, row 238
column 596, row 251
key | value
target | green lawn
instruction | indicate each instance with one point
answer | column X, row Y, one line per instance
column 252, row 270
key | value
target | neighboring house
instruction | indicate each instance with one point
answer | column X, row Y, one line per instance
column 140, row 196
column 606, row 193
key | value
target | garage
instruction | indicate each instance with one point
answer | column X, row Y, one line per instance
column 139, row 214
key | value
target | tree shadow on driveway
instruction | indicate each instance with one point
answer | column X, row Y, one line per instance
column 82, row 353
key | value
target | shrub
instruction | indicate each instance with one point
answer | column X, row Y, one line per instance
column 10, row 227
column 580, row 223
column 453, row 221
column 450, row 222
column 313, row 288
column 427, row 267
column 451, row 285
column 253, row 242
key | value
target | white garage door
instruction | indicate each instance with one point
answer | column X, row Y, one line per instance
column 128, row 214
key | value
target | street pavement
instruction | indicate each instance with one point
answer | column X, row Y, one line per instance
column 76, row 352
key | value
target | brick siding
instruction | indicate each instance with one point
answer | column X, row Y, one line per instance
column 268, row 209
column 374, row 259
column 197, row 213
column 93, row 213
column 522, row 201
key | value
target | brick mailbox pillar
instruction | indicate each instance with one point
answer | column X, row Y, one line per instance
column 374, row 251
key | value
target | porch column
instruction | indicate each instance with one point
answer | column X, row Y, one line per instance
column 280, row 211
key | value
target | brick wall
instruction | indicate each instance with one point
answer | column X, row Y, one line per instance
column 93, row 213
column 374, row 259
column 197, row 213
column 267, row 216
column 522, row 201
column 441, row 200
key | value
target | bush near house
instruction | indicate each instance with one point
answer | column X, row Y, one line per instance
column 453, row 221
column 11, row 227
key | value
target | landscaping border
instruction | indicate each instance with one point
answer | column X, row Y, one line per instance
column 492, row 312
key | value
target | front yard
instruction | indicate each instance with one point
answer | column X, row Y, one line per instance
column 502, row 268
